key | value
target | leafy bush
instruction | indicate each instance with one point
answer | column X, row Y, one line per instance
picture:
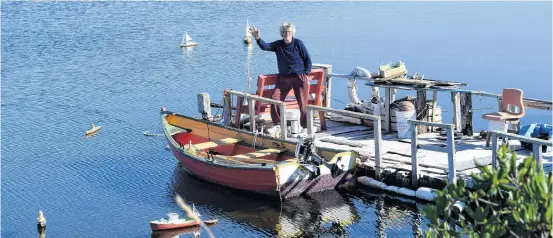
column 509, row 201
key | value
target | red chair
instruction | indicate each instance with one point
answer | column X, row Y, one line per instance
column 265, row 88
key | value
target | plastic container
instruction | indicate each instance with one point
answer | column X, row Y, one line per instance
column 403, row 127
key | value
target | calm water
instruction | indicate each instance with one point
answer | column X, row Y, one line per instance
column 68, row 64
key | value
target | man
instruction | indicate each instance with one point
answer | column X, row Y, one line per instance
column 294, row 64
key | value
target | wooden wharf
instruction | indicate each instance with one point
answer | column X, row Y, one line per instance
column 430, row 159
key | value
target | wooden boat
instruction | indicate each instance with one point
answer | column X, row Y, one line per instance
column 93, row 129
column 187, row 41
column 174, row 222
column 243, row 160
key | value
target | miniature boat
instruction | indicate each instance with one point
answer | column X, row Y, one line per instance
column 93, row 130
column 243, row 160
column 247, row 39
column 187, row 41
column 174, row 222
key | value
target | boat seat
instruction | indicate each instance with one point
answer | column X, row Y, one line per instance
column 253, row 157
column 259, row 153
column 213, row 144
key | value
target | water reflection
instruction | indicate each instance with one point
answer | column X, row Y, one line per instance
column 394, row 215
column 249, row 65
column 183, row 232
column 324, row 213
column 188, row 51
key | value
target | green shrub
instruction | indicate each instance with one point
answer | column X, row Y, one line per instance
column 508, row 201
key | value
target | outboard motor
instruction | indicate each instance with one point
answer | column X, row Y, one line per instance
column 306, row 155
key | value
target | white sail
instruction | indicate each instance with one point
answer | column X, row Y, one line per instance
column 183, row 39
column 248, row 34
column 187, row 37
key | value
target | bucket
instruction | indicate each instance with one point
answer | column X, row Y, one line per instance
column 403, row 127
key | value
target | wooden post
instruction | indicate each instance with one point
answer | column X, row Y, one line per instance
column 283, row 129
column 536, row 149
column 421, row 110
column 377, row 135
column 309, row 115
column 414, row 160
column 251, row 109
column 204, row 106
column 239, row 108
column 466, row 114
column 494, row 150
column 389, row 98
column 452, row 175
column 434, row 102
column 455, row 98
column 227, row 110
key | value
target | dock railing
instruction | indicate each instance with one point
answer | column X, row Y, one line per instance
column 376, row 125
column 536, row 146
column 452, row 173
column 251, row 99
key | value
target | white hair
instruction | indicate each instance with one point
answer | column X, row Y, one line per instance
column 287, row 25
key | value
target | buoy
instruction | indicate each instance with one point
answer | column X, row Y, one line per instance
column 41, row 222
column 93, row 129
column 407, row 192
column 370, row 182
column 427, row 194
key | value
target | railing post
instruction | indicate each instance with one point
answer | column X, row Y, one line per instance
column 494, row 150
column 251, row 108
column 377, row 147
column 536, row 149
column 414, row 160
column 227, row 110
column 283, row 129
column 309, row 115
column 452, row 175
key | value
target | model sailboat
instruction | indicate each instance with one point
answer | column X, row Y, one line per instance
column 187, row 41
column 247, row 39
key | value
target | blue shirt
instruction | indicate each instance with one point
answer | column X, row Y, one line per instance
column 293, row 59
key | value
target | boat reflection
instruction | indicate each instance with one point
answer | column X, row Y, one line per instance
column 184, row 232
column 323, row 213
column 188, row 51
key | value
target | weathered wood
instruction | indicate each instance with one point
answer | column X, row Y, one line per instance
column 283, row 129
column 414, row 161
column 377, row 147
column 536, row 149
column 434, row 102
column 494, row 150
column 389, row 98
column 227, row 110
column 204, row 106
column 421, row 110
column 251, row 109
column 452, row 173
column 456, row 99
column 466, row 114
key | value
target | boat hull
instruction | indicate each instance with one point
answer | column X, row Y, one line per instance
column 161, row 226
column 260, row 180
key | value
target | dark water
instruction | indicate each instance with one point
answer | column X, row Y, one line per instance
column 68, row 64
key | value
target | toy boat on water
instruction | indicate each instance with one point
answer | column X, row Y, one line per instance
column 174, row 222
column 93, row 130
